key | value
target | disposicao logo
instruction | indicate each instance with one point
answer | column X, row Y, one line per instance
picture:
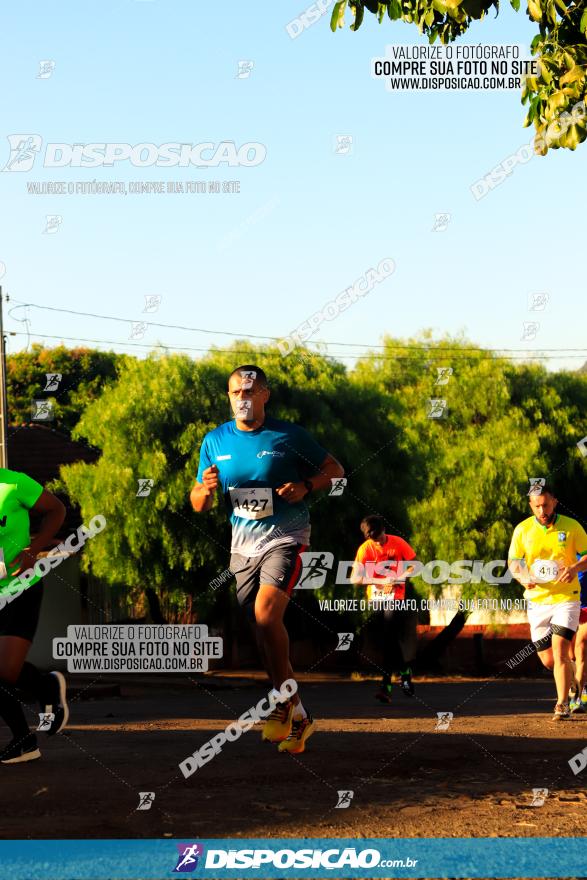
column 25, row 147
column 189, row 856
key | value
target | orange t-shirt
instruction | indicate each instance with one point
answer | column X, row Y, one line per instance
column 370, row 553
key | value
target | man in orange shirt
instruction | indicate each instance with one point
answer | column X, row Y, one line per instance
column 385, row 581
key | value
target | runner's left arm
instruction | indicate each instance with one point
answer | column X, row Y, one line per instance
column 581, row 565
column 567, row 574
column 329, row 470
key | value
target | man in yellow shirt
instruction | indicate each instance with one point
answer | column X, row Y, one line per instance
column 543, row 557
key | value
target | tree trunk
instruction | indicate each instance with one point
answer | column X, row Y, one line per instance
column 154, row 606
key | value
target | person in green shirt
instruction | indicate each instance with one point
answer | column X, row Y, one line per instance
column 20, row 605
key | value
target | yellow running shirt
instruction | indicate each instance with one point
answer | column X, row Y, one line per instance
column 541, row 546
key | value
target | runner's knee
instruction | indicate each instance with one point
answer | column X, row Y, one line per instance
column 561, row 643
column 268, row 617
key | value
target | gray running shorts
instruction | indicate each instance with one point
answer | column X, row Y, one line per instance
column 279, row 567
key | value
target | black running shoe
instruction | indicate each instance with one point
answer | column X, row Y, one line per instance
column 407, row 684
column 20, row 750
column 59, row 705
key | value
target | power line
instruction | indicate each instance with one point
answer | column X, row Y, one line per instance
column 431, row 353
column 149, row 323
column 525, row 352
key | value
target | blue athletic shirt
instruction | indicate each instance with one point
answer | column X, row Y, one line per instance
column 251, row 465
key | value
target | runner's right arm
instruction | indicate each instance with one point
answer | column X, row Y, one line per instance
column 519, row 571
column 517, row 564
column 202, row 495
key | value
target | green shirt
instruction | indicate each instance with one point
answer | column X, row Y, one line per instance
column 18, row 493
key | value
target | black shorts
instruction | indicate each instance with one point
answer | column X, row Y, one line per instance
column 279, row 567
column 21, row 616
column 400, row 638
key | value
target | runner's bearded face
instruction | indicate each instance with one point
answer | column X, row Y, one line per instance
column 247, row 399
column 544, row 508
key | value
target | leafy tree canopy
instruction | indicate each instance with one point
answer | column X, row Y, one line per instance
column 555, row 97
column 150, row 425
column 84, row 373
column 454, row 486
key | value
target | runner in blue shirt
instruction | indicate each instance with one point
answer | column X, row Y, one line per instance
column 265, row 468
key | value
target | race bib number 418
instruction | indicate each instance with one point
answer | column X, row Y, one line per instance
column 544, row 570
column 252, row 503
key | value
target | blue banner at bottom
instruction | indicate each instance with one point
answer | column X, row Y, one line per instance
column 294, row 857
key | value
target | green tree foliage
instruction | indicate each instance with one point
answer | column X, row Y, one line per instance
column 150, row 425
column 555, row 97
column 454, row 487
column 470, row 469
column 553, row 406
column 85, row 373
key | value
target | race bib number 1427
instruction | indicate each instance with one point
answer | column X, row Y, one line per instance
column 252, row 503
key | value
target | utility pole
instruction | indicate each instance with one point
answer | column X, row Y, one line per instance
column 3, row 403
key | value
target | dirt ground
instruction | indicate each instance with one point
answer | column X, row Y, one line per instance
column 409, row 779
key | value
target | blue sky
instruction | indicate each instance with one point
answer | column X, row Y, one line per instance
column 307, row 222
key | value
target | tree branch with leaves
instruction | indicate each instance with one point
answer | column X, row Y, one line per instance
column 556, row 95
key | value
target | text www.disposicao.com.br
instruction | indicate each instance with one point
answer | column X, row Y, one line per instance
column 134, row 664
